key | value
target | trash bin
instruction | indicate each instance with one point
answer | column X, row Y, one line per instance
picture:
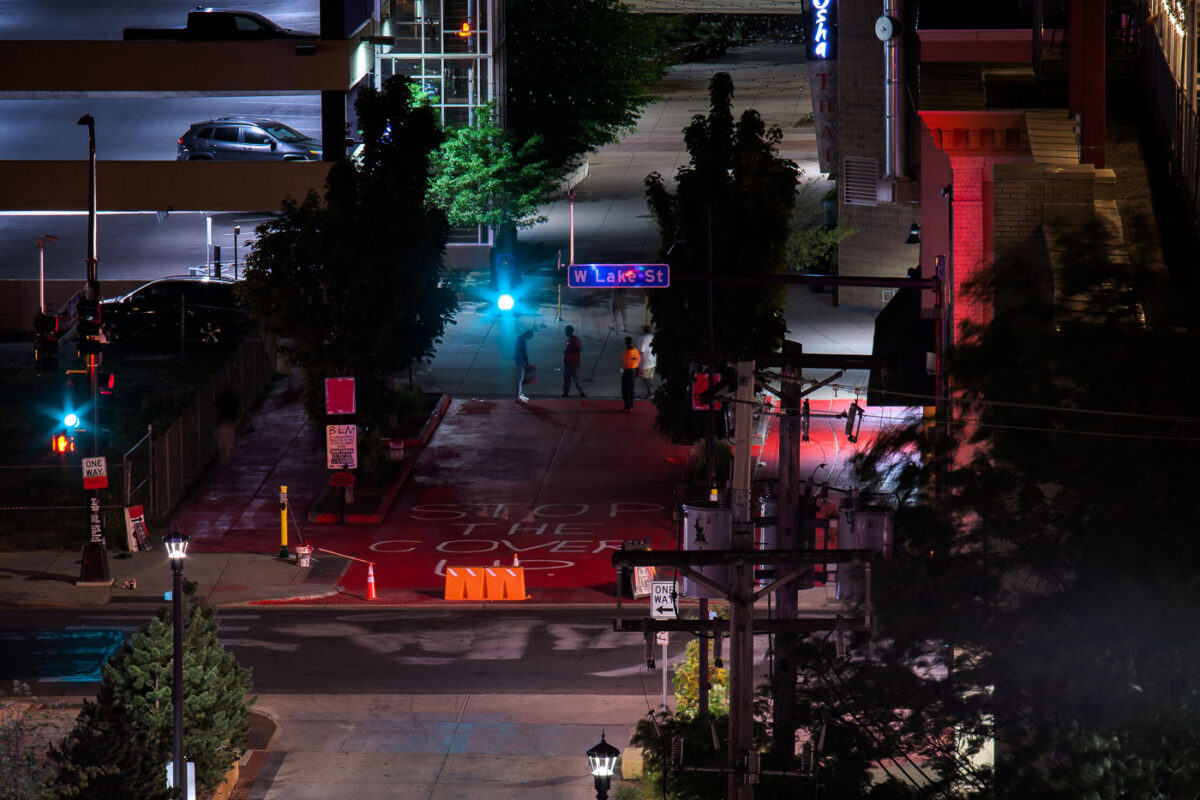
column 303, row 556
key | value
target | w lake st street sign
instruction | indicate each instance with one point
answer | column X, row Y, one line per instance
column 618, row 276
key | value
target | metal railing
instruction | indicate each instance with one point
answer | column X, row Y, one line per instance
column 1178, row 130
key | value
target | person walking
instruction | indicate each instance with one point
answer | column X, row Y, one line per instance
column 572, row 355
column 646, row 370
column 630, row 358
column 616, row 304
column 520, row 361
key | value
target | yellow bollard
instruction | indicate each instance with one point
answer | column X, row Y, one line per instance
column 283, row 550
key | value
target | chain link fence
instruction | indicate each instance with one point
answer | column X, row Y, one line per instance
column 45, row 506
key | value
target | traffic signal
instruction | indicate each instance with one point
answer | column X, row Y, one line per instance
column 62, row 443
column 465, row 30
column 105, row 384
column 45, row 340
column 76, row 400
column 704, row 387
column 87, row 328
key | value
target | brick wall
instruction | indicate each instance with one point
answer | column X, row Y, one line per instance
column 877, row 248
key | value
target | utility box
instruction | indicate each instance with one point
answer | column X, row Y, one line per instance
column 706, row 526
column 866, row 529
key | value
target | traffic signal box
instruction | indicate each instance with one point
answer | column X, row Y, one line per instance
column 87, row 328
column 45, row 341
column 106, row 383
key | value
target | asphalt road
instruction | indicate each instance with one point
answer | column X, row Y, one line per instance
column 347, row 652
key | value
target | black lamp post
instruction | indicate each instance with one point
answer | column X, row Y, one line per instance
column 602, row 758
column 177, row 545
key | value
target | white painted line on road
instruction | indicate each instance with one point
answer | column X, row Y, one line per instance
column 281, row 647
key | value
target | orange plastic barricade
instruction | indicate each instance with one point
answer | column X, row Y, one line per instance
column 464, row 583
column 505, row 583
column 485, row 583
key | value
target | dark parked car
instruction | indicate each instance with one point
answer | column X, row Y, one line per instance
column 208, row 308
column 246, row 139
column 216, row 24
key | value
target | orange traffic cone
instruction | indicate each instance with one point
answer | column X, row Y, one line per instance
column 370, row 581
column 516, row 562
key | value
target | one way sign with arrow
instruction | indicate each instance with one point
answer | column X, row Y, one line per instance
column 662, row 600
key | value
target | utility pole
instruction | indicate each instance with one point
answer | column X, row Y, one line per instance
column 789, row 538
column 742, row 756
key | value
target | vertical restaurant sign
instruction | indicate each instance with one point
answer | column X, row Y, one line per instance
column 822, row 29
column 822, row 79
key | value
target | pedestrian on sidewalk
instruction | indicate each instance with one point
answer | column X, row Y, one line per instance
column 616, row 304
column 646, row 369
column 572, row 355
column 520, row 362
column 630, row 358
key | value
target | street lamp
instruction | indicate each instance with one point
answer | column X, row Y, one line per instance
column 41, row 246
column 177, row 546
column 602, row 758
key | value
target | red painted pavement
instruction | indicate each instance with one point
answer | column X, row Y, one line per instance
column 557, row 484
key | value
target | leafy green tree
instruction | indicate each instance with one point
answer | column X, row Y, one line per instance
column 106, row 757
column 731, row 215
column 1049, row 602
column 356, row 281
column 811, row 243
column 482, row 177
column 579, row 73
column 215, row 704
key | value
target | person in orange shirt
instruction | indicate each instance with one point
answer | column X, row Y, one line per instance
column 630, row 360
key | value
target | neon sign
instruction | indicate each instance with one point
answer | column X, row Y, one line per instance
column 822, row 30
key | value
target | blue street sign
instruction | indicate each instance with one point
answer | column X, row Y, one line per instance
column 618, row 276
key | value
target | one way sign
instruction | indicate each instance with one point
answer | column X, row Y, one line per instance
column 662, row 600
column 95, row 473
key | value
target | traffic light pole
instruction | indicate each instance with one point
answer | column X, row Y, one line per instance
column 94, row 566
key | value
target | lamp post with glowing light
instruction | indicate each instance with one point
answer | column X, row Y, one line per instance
column 602, row 758
column 41, row 245
column 177, row 546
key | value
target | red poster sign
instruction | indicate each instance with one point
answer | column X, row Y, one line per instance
column 339, row 395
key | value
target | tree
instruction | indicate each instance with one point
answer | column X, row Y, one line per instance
column 1049, row 601
column 730, row 215
column 483, row 177
column 579, row 73
column 812, row 243
column 106, row 757
column 215, row 704
column 357, row 282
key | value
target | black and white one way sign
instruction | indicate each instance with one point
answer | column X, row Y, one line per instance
column 662, row 600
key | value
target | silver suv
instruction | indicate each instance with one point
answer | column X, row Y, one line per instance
column 246, row 139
